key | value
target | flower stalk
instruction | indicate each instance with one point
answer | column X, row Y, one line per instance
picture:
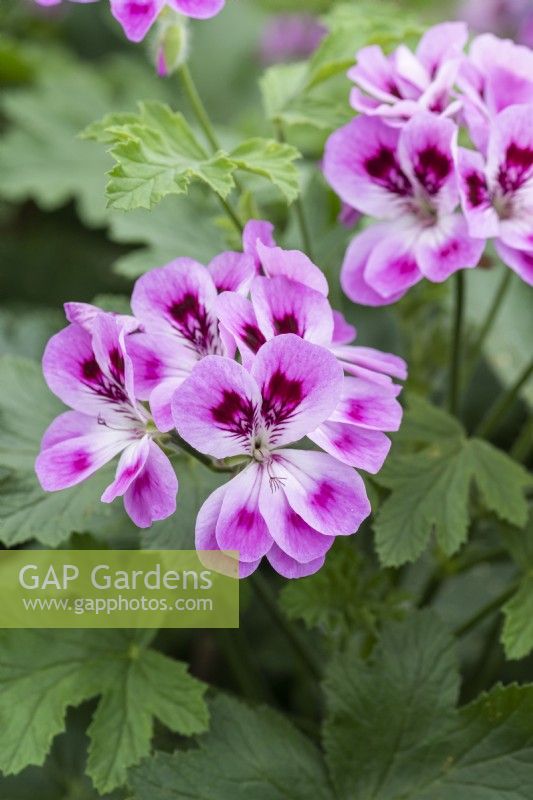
column 457, row 343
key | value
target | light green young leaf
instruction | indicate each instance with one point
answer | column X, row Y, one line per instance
column 158, row 155
column 430, row 487
column 272, row 160
column 393, row 731
column 246, row 754
column 44, row 672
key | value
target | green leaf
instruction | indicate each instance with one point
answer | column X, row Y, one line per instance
column 178, row 226
column 158, row 155
column 517, row 632
column 346, row 596
column 430, row 488
column 44, row 672
column 246, row 754
column 393, row 731
column 25, row 331
column 272, row 160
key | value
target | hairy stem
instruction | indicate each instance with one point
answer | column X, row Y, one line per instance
column 457, row 343
column 206, row 125
column 299, row 645
column 498, row 411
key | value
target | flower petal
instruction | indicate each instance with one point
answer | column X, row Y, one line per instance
column 152, row 495
column 72, row 460
column 440, row 43
column 425, row 154
column 216, row 408
column 156, row 358
column 255, row 231
column 240, row 525
column 353, row 280
column 199, row 9
column 475, row 195
column 292, row 264
column 328, row 495
column 361, row 165
column 232, row 272
column 284, row 306
column 288, row 567
column 130, row 464
column 69, row 425
column 292, row 535
column 368, row 405
column 391, row 268
column 136, row 16
column 355, row 446
column 237, row 315
column 446, row 248
column 300, row 383
column 521, row 261
column 178, row 299
column 370, row 359
column 206, row 523
column 343, row 331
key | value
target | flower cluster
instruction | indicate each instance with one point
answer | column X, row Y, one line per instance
column 138, row 16
column 436, row 203
column 240, row 360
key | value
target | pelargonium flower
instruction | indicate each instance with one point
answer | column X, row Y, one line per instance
column 502, row 17
column 497, row 194
column 354, row 433
column 175, row 305
column 286, row 504
column 497, row 73
column 270, row 260
column 399, row 85
column 406, row 177
column 290, row 37
column 138, row 16
column 92, row 373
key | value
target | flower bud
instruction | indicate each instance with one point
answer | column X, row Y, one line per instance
column 171, row 43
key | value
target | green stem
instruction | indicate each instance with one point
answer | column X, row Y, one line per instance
column 299, row 645
column 457, row 343
column 211, row 463
column 198, row 107
column 231, row 214
column 298, row 204
column 486, row 610
column 499, row 297
column 523, row 444
column 503, row 404
column 456, row 567
column 204, row 121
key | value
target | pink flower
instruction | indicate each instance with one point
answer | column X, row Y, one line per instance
column 175, row 305
column 502, row 17
column 138, row 16
column 497, row 194
column 58, row 2
column 408, row 179
column 353, row 433
column 92, row 373
column 290, row 37
column 496, row 74
column 399, row 85
column 286, row 504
